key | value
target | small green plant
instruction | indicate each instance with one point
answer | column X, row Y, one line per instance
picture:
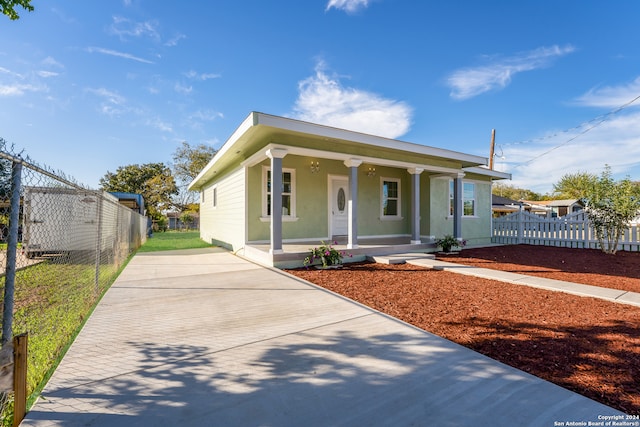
column 327, row 254
column 449, row 242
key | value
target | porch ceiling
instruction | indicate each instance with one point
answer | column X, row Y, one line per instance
column 333, row 155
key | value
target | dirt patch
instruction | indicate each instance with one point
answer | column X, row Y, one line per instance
column 584, row 344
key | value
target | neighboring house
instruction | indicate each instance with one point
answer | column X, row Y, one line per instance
column 564, row 207
column 133, row 201
column 501, row 206
column 176, row 223
column 322, row 183
column 554, row 208
column 537, row 207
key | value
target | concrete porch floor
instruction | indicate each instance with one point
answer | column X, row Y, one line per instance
column 294, row 253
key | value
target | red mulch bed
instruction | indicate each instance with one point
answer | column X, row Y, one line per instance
column 587, row 266
column 587, row 345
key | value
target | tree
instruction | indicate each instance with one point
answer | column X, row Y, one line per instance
column 153, row 180
column 514, row 193
column 574, row 185
column 8, row 7
column 188, row 162
column 611, row 206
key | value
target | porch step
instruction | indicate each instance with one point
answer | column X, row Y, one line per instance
column 399, row 258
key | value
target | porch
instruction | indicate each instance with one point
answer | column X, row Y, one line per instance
column 294, row 253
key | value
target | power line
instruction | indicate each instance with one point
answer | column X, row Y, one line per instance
column 600, row 119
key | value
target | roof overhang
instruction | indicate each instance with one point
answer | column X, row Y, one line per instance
column 488, row 172
column 258, row 132
column 260, row 156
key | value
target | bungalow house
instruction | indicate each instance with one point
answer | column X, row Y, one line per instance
column 279, row 186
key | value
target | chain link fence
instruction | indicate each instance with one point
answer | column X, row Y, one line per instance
column 61, row 246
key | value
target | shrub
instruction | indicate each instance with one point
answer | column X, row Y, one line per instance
column 449, row 242
column 327, row 254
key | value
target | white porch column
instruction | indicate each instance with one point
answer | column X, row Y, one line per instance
column 276, row 155
column 352, row 239
column 457, row 205
column 415, row 205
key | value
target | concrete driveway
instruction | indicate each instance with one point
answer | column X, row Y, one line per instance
column 204, row 338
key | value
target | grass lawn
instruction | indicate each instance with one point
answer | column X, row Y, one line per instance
column 54, row 298
column 52, row 301
column 172, row 240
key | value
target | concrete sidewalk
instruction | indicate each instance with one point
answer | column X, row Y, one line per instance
column 429, row 261
column 204, row 338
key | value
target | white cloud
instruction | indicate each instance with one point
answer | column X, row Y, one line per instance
column 349, row 6
column 612, row 96
column 539, row 164
column 51, row 62
column 206, row 115
column 174, row 40
column 199, row 118
column 182, row 89
column 108, row 95
column 160, row 125
column 18, row 89
column 473, row 81
column 113, row 104
column 324, row 100
column 117, row 54
column 11, row 73
column 125, row 28
column 46, row 74
column 201, row 76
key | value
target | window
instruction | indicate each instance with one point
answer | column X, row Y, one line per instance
column 288, row 192
column 215, row 197
column 390, row 197
column 452, row 202
column 468, row 198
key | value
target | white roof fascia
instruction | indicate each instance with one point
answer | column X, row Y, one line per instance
column 244, row 127
column 488, row 172
column 378, row 141
column 330, row 155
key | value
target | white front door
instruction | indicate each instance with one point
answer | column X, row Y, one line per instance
column 339, row 206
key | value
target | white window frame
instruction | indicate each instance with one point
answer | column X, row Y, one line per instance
column 290, row 216
column 474, row 199
column 398, row 214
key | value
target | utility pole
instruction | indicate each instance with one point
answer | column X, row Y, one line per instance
column 492, row 150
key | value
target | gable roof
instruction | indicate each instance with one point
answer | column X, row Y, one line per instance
column 499, row 200
column 259, row 132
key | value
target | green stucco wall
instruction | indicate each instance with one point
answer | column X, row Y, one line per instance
column 311, row 193
column 312, row 201
column 475, row 230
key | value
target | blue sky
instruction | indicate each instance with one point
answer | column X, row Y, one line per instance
column 86, row 87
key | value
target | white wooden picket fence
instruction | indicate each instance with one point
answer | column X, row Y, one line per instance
column 571, row 231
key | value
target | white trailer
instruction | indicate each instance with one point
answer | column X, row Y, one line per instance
column 61, row 220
